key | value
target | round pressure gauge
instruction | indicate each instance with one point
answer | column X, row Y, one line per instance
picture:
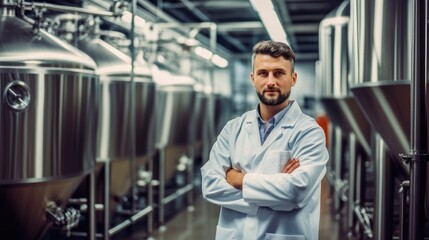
column 17, row 95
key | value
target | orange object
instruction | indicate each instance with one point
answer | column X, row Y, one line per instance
column 323, row 122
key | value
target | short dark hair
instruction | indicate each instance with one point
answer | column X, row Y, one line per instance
column 274, row 49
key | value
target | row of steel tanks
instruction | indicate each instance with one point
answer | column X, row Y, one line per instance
column 71, row 108
column 366, row 70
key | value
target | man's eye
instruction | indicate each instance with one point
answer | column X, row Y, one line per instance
column 263, row 74
column 279, row 74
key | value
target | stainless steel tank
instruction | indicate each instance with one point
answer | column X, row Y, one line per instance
column 175, row 130
column 350, row 133
column 115, row 137
column 383, row 59
column 336, row 98
column 223, row 104
column 114, row 142
column 382, row 63
column 48, row 119
column 175, row 103
column 200, row 125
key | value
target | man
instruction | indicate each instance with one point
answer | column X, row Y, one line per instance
column 266, row 166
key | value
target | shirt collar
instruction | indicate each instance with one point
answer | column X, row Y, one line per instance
column 276, row 118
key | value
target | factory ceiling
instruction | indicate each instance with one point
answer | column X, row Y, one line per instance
column 239, row 26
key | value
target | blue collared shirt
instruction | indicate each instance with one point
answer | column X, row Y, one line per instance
column 266, row 128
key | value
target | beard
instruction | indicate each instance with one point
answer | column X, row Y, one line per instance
column 273, row 101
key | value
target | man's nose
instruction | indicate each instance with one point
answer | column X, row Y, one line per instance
column 271, row 80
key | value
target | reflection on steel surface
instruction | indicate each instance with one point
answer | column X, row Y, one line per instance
column 345, row 113
column 48, row 147
column 387, row 105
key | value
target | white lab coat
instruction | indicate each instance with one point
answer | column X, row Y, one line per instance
column 271, row 204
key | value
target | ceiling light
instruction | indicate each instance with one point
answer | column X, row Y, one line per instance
column 270, row 19
column 203, row 52
column 219, row 61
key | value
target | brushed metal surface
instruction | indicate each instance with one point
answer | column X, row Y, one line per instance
column 47, row 148
column 114, row 131
column 20, row 48
column 346, row 113
column 114, row 142
column 56, row 135
column 23, row 206
column 387, row 106
column 175, row 105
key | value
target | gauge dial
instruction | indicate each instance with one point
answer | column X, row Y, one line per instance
column 17, row 95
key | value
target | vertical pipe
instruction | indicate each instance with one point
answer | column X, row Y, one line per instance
column 213, row 40
column 383, row 225
column 149, row 196
column 338, row 165
column 190, row 182
column 418, row 121
column 91, row 206
column 161, row 188
column 404, row 191
column 133, row 110
column 106, row 208
column 352, row 184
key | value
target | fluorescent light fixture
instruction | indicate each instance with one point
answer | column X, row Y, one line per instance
column 208, row 55
column 203, row 52
column 270, row 19
column 219, row 61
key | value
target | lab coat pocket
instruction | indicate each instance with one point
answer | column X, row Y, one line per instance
column 225, row 233
column 270, row 236
column 275, row 160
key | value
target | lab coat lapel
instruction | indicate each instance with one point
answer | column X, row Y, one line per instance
column 252, row 130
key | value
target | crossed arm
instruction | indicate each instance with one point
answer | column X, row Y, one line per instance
column 235, row 177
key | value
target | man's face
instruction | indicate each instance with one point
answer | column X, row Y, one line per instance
column 273, row 79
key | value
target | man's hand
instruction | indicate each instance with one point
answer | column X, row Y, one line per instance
column 235, row 178
column 291, row 165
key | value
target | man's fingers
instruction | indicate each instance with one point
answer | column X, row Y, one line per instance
column 291, row 165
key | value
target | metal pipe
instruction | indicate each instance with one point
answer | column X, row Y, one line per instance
column 190, row 178
column 149, row 196
column 132, row 122
column 161, row 188
column 419, row 141
column 179, row 192
column 106, row 209
column 403, row 218
column 131, row 220
column 212, row 133
column 338, row 164
column 383, row 225
column 190, row 5
column 353, row 183
column 91, row 206
column 63, row 8
column 165, row 17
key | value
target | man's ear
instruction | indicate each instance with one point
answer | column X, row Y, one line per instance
column 252, row 79
column 294, row 77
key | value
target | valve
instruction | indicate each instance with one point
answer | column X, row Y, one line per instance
column 64, row 219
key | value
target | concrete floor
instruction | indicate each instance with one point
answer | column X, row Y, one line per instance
column 201, row 222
